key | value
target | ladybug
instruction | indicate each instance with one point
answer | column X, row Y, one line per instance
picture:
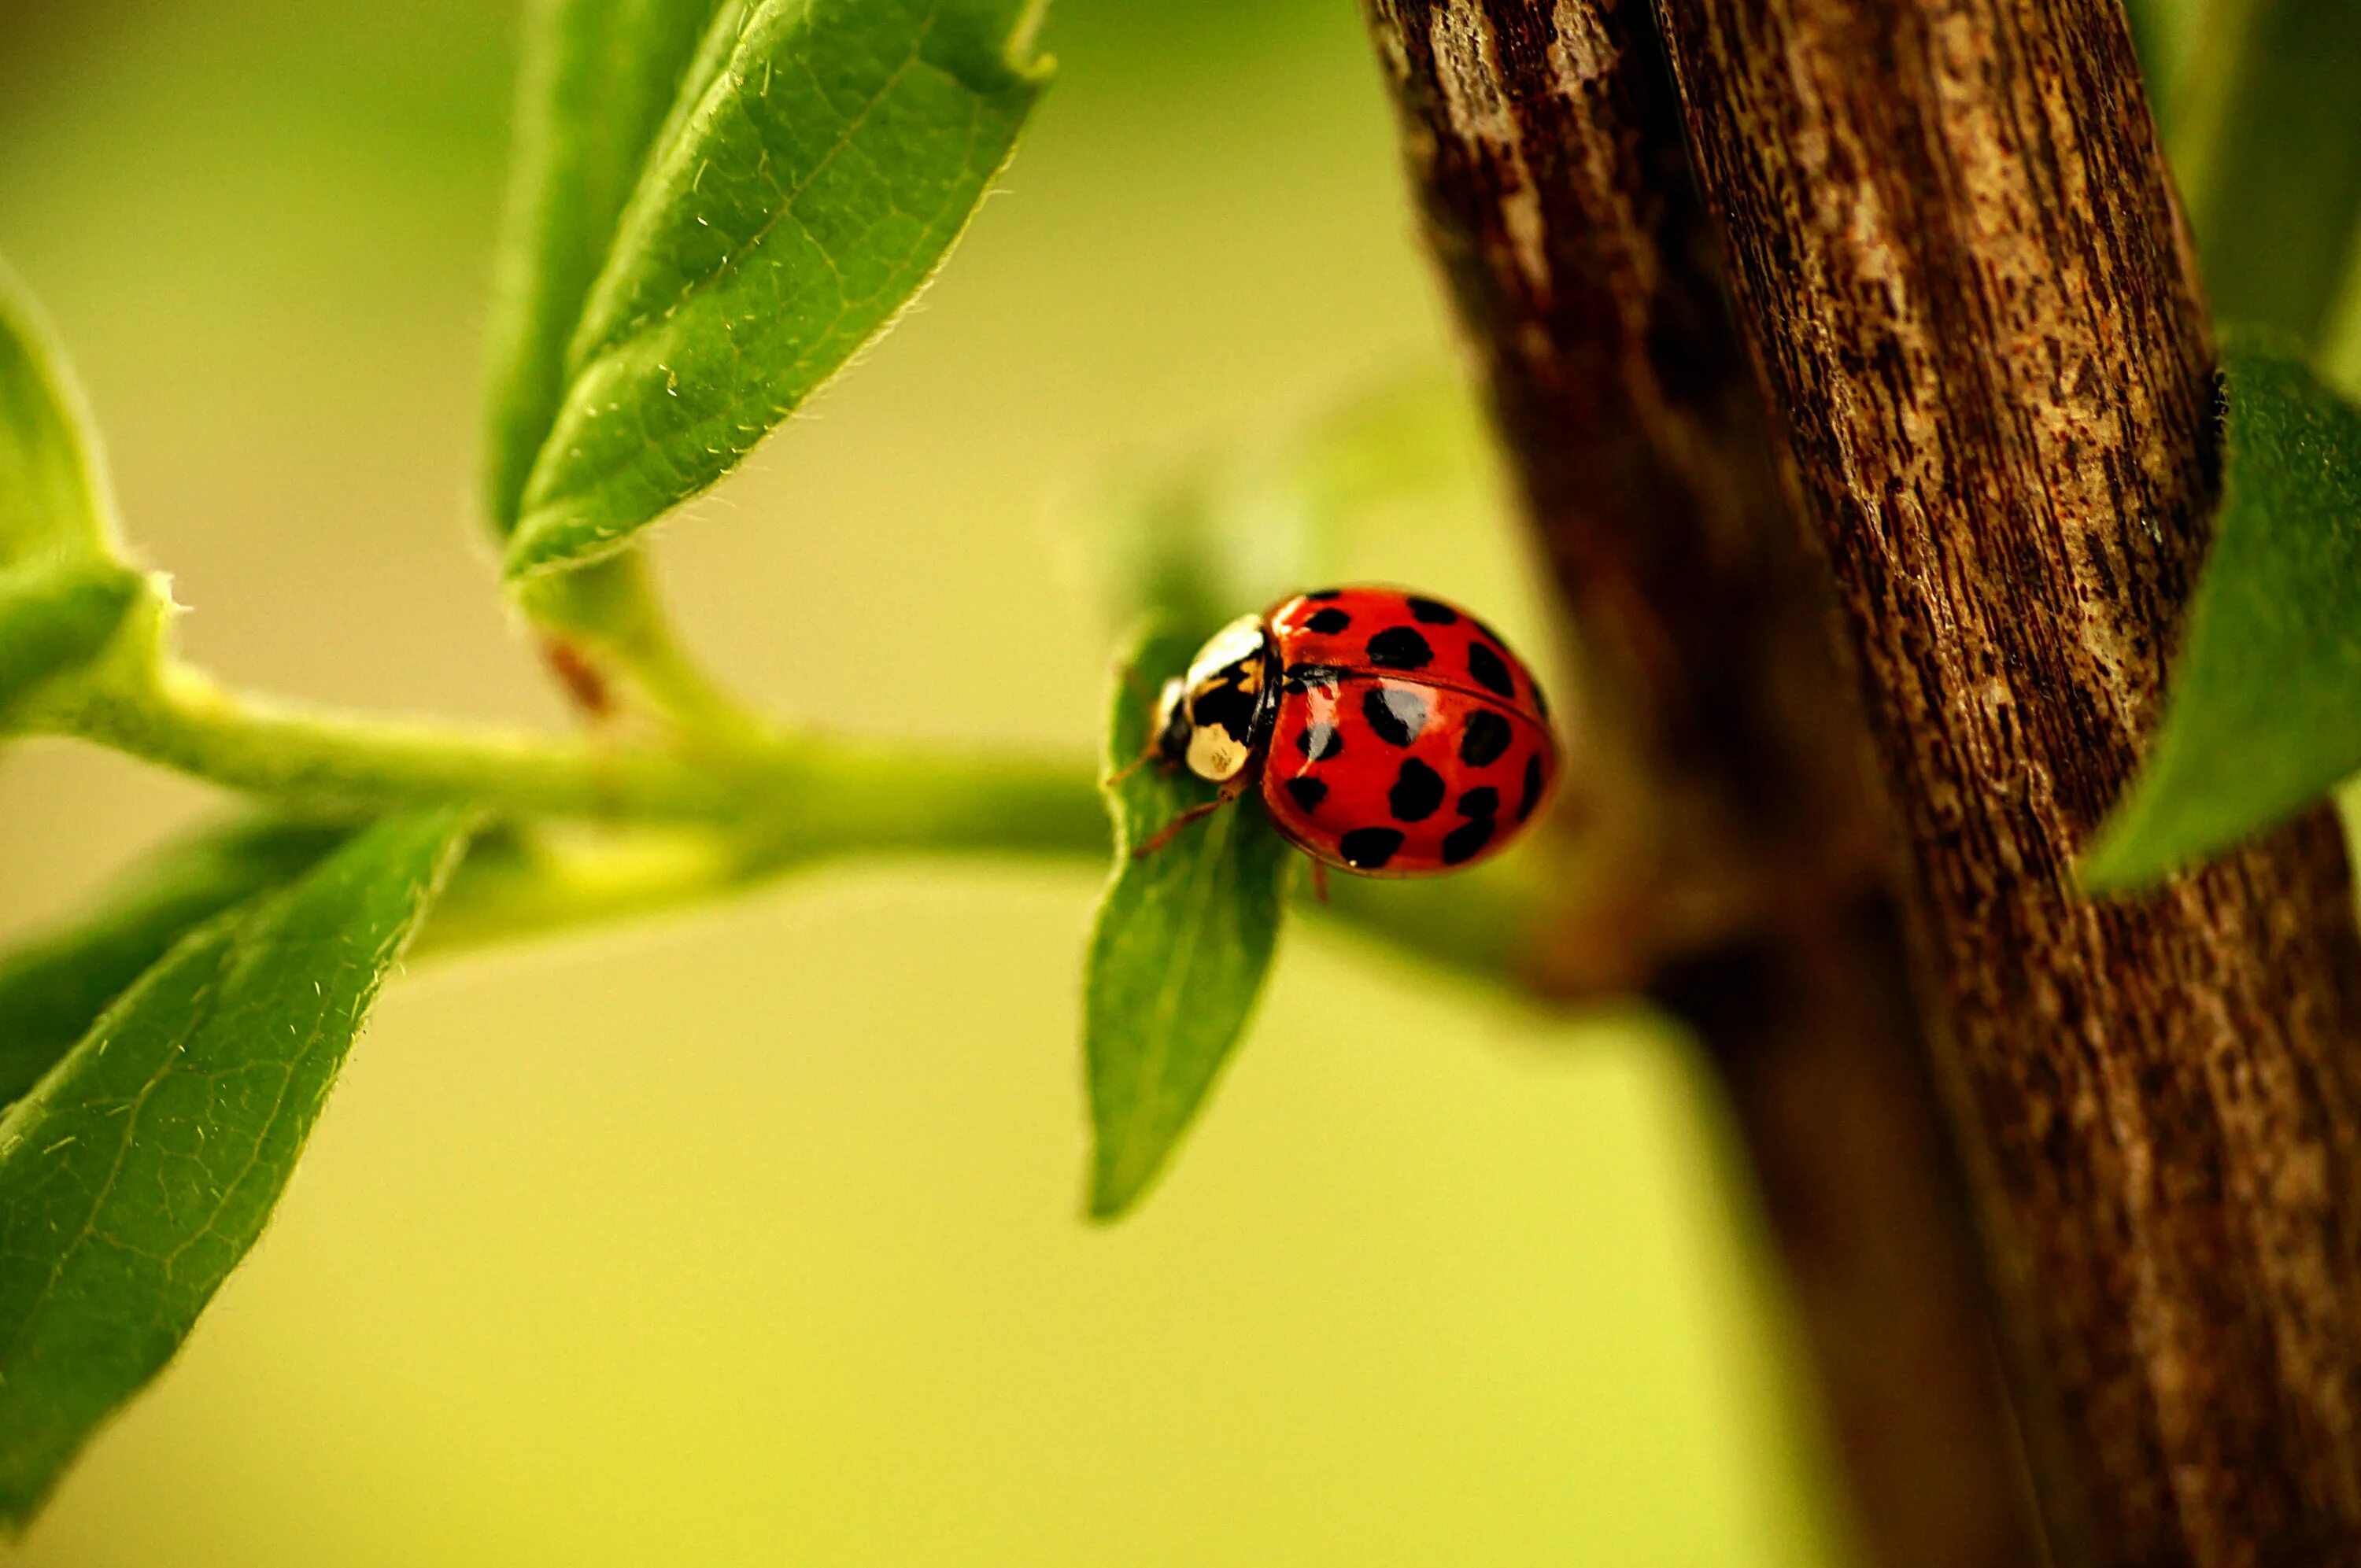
column 1390, row 734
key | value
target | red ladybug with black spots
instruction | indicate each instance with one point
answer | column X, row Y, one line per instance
column 1391, row 734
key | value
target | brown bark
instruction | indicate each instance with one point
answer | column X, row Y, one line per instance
column 1970, row 299
column 1747, row 888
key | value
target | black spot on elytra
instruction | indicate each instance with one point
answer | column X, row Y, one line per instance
column 1323, row 593
column 1231, row 707
column 1533, row 795
column 1367, row 848
column 1300, row 678
column 1466, row 841
column 1483, row 801
column 1485, row 737
column 1400, row 648
column 1429, row 611
column 1319, row 741
column 1396, row 713
column 1417, row 794
column 1329, row 621
column 1307, row 793
column 1489, row 670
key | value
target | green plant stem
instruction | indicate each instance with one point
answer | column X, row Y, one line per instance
column 517, row 884
column 588, row 833
column 612, row 611
column 867, row 794
column 522, row 882
column 684, row 691
column 341, row 764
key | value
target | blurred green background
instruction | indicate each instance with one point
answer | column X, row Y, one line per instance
column 752, row 1236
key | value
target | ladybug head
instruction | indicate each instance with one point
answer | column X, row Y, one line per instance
column 1172, row 722
column 1210, row 719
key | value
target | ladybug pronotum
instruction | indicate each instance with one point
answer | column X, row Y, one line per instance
column 1391, row 734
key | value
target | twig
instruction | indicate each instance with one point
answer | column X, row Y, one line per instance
column 1546, row 150
column 1966, row 286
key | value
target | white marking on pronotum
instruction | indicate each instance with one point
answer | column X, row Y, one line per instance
column 1213, row 754
column 1239, row 641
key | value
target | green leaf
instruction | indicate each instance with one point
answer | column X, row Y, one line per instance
column 53, row 499
column 1179, row 950
column 599, row 80
column 54, row 988
column 64, row 591
column 2264, row 712
column 814, row 187
column 57, row 614
column 137, row 1173
column 605, row 83
column 2269, row 152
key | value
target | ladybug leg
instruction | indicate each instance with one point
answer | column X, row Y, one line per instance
column 1319, row 879
column 1166, row 834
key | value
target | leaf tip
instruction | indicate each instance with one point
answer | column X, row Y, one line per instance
column 2116, row 864
column 521, row 563
column 2257, row 721
column 2148, row 835
column 536, row 560
column 1116, row 1186
column 19, row 1508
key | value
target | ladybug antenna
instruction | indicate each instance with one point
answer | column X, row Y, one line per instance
column 1146, row 756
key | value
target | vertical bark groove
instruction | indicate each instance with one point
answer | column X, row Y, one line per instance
column 1757, row 895
column 1969, row 296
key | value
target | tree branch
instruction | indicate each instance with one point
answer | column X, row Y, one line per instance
column 1548, row 153
column 1969, row 296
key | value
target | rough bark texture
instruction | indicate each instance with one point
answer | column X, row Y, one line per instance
column 1721, row 744
column 1970, row 299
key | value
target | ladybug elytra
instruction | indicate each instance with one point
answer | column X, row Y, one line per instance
column 1390, row 734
